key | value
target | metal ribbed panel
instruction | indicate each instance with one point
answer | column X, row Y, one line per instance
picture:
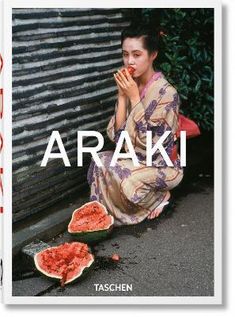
column 63, row 60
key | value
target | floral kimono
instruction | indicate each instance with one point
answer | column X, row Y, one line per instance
column 128, row 192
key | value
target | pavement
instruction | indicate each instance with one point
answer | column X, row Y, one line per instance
column 169, row 256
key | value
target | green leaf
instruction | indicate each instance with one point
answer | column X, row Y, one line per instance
column 198, row 85
column 187, row 59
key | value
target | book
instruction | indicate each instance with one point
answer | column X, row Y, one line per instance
column 107, row 199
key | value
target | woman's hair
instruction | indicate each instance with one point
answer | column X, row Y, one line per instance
column 151, row 35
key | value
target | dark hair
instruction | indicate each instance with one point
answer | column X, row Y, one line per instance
column 151, row 35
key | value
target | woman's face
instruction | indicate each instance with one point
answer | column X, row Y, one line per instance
column 136, row 55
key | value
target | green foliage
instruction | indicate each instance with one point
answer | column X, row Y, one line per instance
column 186, row 58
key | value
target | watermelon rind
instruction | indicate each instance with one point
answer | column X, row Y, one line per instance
column 77, row 277
column 91, row 236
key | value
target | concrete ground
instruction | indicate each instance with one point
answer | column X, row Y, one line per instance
column 169, row 256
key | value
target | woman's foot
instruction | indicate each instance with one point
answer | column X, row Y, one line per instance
column 159, row 209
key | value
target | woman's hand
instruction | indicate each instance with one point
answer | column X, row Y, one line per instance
column 120, row 91
column 128, row 86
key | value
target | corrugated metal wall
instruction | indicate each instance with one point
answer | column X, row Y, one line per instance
column 63, row 60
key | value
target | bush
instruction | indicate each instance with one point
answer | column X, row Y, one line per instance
column 186, row 58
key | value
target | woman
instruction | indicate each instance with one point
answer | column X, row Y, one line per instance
column 146, row 102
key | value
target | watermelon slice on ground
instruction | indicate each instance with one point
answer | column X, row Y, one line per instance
column 91, row 222
column 66, row 262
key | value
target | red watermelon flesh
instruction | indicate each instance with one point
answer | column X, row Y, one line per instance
column 130, row 70
column 65, row 262
column 90, row 217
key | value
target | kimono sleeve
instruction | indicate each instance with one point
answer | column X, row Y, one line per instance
column 112, row 134
column 158, row 116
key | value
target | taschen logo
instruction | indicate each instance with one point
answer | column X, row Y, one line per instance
column 113, row 287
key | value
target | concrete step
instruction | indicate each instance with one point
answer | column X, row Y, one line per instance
column 46, row 228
